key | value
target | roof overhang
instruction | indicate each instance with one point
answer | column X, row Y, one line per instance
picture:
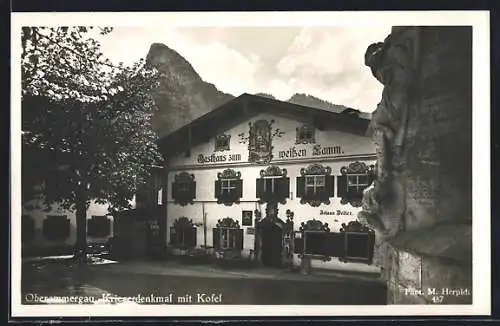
column 245, row 107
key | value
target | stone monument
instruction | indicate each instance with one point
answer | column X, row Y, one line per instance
column 420, row 203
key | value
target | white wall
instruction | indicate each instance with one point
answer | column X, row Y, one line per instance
column 38, row 215
column 351, row 144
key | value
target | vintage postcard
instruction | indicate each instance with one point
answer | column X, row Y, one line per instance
column 250, row 164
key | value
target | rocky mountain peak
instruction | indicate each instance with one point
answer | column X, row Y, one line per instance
column 182, row 96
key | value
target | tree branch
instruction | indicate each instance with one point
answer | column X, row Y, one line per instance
column 80, row 55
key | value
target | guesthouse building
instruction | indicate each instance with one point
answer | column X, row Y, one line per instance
column 264, row 178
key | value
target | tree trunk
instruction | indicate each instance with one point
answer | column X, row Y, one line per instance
column 81, row 229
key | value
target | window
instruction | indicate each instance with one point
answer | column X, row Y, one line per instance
column 354, row 180
column 359, row 243
column 315, row 185
column 228, row 187
column 148, row 190
column 357, row 183
column 305, row 134
column 99, row 226
column 222, row 142
column 273, row 188
column 183, row 237
column 273, row 185
column 56, row 228
column 184, row 189
column 227, row 238
column 228, row 235
column 183, row 233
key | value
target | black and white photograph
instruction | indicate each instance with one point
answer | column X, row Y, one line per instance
column 250, row 164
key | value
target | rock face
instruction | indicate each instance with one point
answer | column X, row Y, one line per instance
column 183, row 96
column 421, row 201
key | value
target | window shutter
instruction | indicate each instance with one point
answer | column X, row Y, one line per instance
column 239, row 189
column 193, row 189
column 216, row 238
column 330, row 186
column 259, row 188
column 301, row 185
column 285, row 187
column 217, row 189
column 173, row 236
column 341, row 186
column 238, row 233
column 174, row 192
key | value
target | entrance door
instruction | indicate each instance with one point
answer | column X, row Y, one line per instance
column 272, row 240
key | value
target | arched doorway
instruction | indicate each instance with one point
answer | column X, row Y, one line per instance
column 272, row 244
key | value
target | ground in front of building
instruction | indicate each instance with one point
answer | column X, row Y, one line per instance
column 183, row 284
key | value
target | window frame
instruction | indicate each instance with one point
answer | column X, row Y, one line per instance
column 184, row 189
column 183, row 186
column 222, row 143
column 353, row 193
column 305, row 134
column 182, row 227
column 230, row 232
column 230, row 186
column 315, row 186
column 359, row 187
column 273, row 184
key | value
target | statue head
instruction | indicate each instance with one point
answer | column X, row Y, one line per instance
column 373, row 54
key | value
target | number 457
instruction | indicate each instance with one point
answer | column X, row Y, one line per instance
column 437, row 299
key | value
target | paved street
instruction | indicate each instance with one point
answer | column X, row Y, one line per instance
column 197, row 284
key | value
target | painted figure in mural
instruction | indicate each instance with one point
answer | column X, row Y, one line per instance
column 393, row 63
column 260, row 149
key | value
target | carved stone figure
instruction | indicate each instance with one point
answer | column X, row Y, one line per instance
column 394, row 63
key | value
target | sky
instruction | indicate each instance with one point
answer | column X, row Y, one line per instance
column 326, row 62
